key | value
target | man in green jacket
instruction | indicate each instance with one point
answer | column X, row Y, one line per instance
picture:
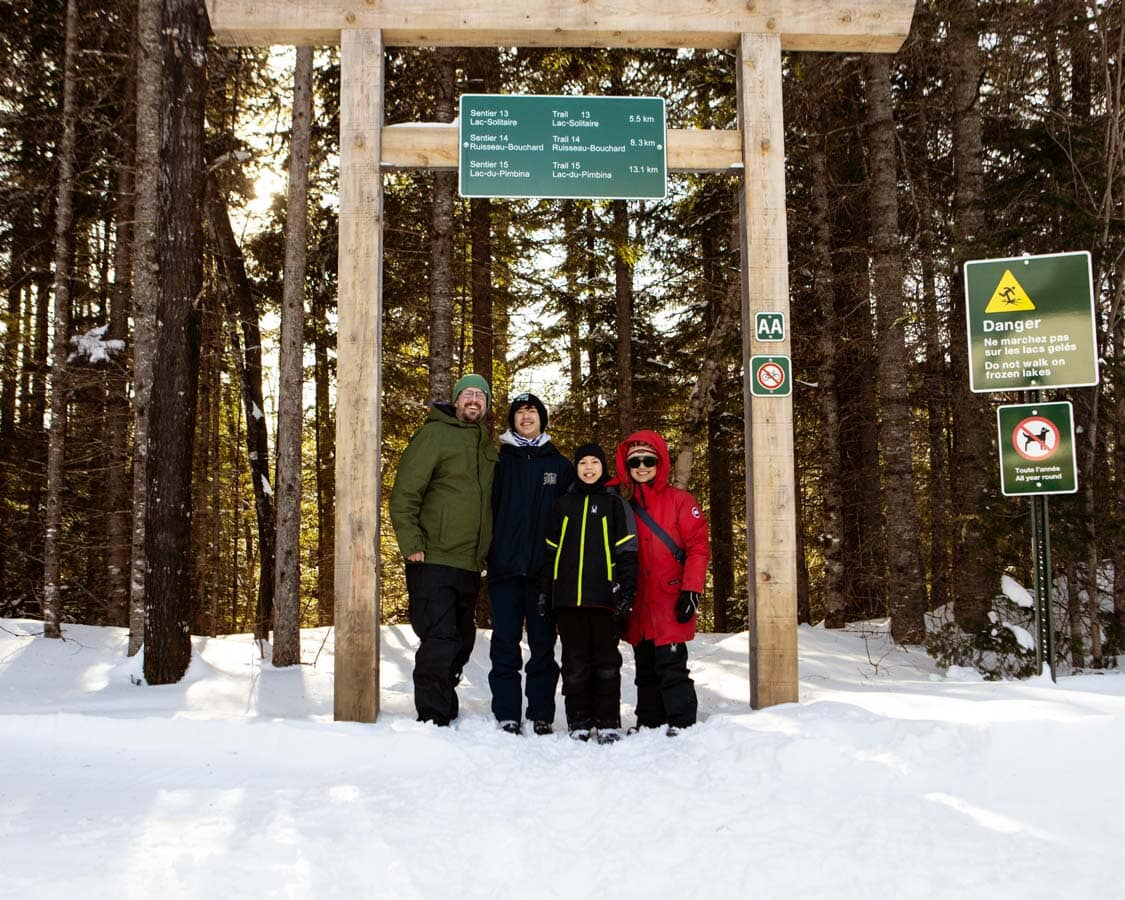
column 441, row 510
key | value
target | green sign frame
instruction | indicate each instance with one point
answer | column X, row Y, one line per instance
column 771, row 376
column 1037, row 451
column 769, row 326
column 1030, row 322
column 558, row 146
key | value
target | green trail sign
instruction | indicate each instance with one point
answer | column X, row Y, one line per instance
column 1037, row 454
column 1030, row 322
column 770, row 376
column 769, row 326
column 514, row 145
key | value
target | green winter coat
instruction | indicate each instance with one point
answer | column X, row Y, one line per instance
column 441, row 503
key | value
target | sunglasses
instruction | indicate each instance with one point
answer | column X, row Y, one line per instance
column 635, row 462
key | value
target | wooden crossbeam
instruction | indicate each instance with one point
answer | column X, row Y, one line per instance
column 876, row 26
column 434, row 146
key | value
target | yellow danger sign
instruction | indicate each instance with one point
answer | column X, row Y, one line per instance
column 1009, row 296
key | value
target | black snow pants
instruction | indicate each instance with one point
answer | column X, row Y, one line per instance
column 442, row 602
column 665, row 691
column 591, row 667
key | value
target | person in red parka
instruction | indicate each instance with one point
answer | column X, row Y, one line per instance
column 673, row 552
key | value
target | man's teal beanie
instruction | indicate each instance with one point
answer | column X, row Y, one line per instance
column 472, row 381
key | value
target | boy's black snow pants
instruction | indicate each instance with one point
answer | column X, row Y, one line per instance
column 591, row 667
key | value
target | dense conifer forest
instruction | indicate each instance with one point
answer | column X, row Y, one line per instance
column 997, row 130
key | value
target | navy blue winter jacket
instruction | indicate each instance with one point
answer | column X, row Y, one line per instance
column 527, row 483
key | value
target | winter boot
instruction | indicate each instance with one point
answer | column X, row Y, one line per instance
column 509, row 726
column 543, row 728
column 609, row 735
column 580, row 734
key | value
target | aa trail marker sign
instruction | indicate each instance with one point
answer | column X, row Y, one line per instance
column 1031, row 322
column 769, row 326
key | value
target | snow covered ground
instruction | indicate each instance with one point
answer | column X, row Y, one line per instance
column 890, row 779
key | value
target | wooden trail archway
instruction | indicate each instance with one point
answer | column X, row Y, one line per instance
column 758, row 30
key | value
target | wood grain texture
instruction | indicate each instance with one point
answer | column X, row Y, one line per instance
column 770, row 474
column 878, row 26
column 359, row 389
column 432, row 145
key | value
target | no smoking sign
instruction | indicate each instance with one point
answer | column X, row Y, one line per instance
column 770, row 376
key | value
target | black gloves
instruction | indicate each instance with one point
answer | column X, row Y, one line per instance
column 622, row 602
column 686, row 606
column 543, row 606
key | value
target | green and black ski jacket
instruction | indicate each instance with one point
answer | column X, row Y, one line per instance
column 592, row 545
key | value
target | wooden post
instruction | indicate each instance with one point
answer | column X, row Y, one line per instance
column 771, row 521
column 359, row 388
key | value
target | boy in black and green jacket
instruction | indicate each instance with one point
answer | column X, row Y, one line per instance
column 590, row 582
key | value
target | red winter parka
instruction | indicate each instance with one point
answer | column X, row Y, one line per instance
column 660, row 578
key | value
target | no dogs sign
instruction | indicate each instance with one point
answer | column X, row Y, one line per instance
column 1037, row 449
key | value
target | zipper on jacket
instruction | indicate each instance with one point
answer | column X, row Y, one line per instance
column 558, row 550
column 582, row 546
column 608, row 556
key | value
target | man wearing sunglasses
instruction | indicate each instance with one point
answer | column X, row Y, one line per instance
column 441, row 510
column 673, row 552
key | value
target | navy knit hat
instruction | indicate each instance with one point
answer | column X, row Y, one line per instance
column 526, row 399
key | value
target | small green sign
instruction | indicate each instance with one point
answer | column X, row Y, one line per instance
column 769, row 326
column 1031, row 322
column 770, row 376
column 1037, row 454
column 515, row 145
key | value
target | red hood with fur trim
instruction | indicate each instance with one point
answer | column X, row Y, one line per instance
column 663, row 466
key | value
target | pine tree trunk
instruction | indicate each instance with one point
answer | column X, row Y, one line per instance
column 480, row 284
column 441, row 248
column 720, row 508
column 171, row 434
column 726, row 320
column 249, row 365
column 623, row 295
column 1119, row 457
column 832, row 498
column 325, row 470
column 906, row 590
column 145, row 286
column 56, row 452
column 287, row 590
column 570, row 215
column 207, row 475
column 117, row 401
column 974, row 563
column 593, row 386
column 935, row 384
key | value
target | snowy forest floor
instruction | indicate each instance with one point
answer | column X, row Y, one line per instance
column 890, row 779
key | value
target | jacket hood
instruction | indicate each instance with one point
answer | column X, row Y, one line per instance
column 444, row 412
column 663, row 465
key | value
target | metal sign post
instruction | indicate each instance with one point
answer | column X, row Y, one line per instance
column 1041, row 576
column 1030, row 325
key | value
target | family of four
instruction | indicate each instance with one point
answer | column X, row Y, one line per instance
column 569, row 551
